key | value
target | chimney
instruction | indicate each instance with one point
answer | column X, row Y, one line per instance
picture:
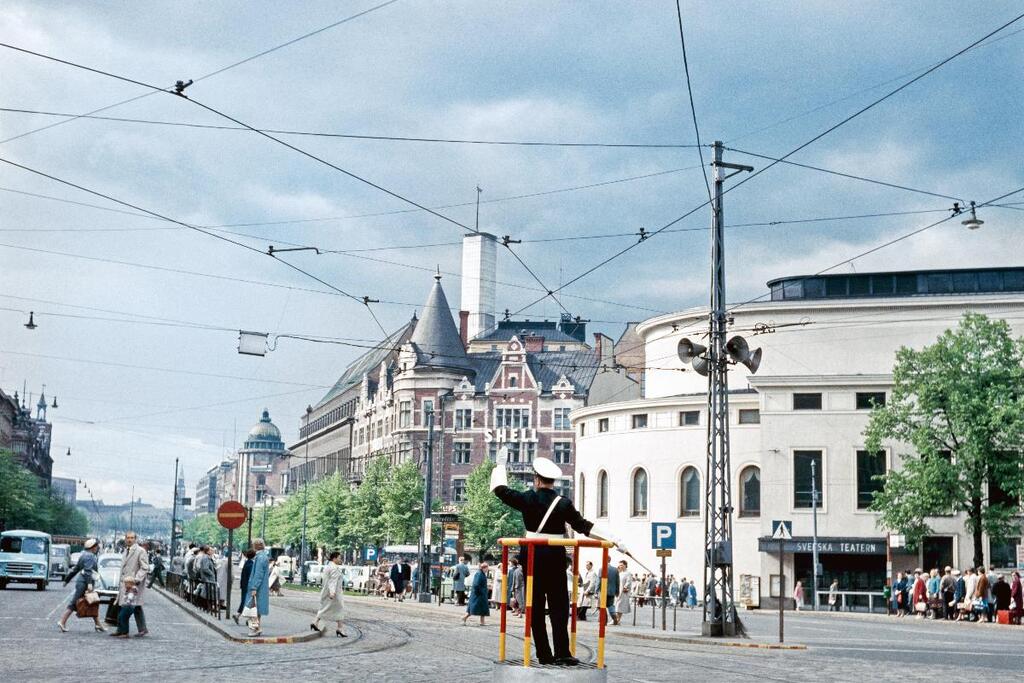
column 605, row 349
column 534, row 343
column 479, row 270
column 464, row 327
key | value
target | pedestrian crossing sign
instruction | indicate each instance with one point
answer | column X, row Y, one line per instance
column 782, row 529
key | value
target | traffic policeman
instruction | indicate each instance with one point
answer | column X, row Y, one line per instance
column 545, row 515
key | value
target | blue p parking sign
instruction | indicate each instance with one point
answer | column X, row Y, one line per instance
column 663, row 535
column 369, row 553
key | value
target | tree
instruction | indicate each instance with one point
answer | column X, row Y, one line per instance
column 284, row 522
column 204, row 529
column 330, row 505
column 402, row 504
column 26, row 503
column 366, row 522
column 959, row 404
column 485, row 519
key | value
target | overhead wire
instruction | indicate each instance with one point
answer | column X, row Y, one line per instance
column 74, row 117
column 689, row 91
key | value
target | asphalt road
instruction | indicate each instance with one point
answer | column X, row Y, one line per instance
column 409, row 643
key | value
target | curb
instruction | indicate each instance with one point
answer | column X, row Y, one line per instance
column 227, row 635
column 709, row 641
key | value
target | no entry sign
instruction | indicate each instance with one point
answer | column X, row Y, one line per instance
column 231, row 514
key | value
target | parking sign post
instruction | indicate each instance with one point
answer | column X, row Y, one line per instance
column 663, row 540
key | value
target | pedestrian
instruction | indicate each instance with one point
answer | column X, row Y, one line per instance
column 332, row 604
column 274, row 582
column 1016, row 599
column 545, row 516
column 959, row 591
column 626, row 585
column 610, row 593
column 190, row 561
column 833, row 596
column 459, row 577
column 258, row 587
column 652, row 589
column 478, row 605
column 398, row 581
column 406, row 578
column 518, row 587
column 691, row 596
column 981, row 595
column 947, row 587
column 243, row 582
column 673, row 591
column 157, row 562
column 132, row 585
column 920, row 596
column 86, row 569
column 798, row 595
column 587, row 591
column 206, row 575
column 1001, row 595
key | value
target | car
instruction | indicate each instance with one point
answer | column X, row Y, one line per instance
column 109, row 577
column 60, row 560
column 357, row 578
column 285, row 567
column 314, row 572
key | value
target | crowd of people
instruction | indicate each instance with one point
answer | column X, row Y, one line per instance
column 974, row 594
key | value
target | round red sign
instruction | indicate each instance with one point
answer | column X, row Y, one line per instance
column 231, row 514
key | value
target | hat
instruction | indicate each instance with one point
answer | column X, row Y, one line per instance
column 547, row 469
column 956, row 572
column 90, row 544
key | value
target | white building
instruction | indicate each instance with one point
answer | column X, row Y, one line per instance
column 829, row 346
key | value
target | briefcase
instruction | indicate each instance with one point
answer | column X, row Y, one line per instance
column 83, row 608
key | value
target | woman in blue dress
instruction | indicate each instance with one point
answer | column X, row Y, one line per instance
column 691, row 596
column 478, row 605
column 86, row 568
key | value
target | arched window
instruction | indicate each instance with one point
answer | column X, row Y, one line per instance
column 602, row 494
column 750, row 492
column 689, row 493
column 512, row 381
column 638, row 504
column 583, row 495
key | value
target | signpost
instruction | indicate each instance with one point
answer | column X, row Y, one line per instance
column 663, row 540
column 231, row 514
column 782, row 530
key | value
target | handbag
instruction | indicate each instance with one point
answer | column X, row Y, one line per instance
column 84, row 608
column 921, row 607
column 91, row 596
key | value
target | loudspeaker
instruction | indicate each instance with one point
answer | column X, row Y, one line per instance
column 739, row 352
column 700, row 365
column 688, row 350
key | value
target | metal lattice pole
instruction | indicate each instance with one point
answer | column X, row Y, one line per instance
column 719, row 607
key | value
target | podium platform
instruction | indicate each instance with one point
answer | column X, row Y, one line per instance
column 512, row 670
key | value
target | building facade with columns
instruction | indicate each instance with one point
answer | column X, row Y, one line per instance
column 829, row 345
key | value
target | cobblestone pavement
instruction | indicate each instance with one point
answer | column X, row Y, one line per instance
column 412, row 642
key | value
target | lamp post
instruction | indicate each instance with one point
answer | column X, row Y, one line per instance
column 425, row 593
column 174, row 512
column 305, row 501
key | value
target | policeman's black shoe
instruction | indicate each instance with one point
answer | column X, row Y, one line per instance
column 546, row 660
column 567, row 661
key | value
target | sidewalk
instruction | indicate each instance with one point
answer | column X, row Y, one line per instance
column 281, row 626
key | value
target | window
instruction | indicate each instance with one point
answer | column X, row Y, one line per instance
column 602, row 494
column 404, row 414
column 750, row 416
column 638, row 494
column 640, row 421
column 1003, row 553
column 562, row 450
column 492, row 451
column 512, row 449
column 869, row 465
column 689, row 493
column 561, row 418
column 461, row 451
column 563, row 487
column 428, row 407
column 807, row 401
column 463, row 418
column 512, row 381
column 583, row 428
column 866, row 400
column 459, row 490
column 602, row 424
column 512, row 418
column 750, row 492
column 802, row 485
column 689, row 417
column 583, row 494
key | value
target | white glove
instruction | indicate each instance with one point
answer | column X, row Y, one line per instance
column 499, row 477
column 620, row 545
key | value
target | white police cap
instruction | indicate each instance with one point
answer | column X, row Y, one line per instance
column 547, row 469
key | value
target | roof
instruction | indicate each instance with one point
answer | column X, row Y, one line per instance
column 436, row 338
column 27, row 533
column 547, row 367
column 369, row 362
column 515, row 328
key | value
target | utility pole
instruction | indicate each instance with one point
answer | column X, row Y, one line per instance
column 719, row 609
column 174, row 514
column 131, row 512
column 427, row 504
column 814, row 538
column 305, row 501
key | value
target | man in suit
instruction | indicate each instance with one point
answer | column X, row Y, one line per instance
column 132, row 586
column 545, row 515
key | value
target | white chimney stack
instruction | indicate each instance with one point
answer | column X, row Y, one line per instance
column 479, row 271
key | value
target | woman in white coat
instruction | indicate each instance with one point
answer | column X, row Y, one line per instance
column 332, row 604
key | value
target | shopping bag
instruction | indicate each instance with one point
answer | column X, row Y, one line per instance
column 250, row 612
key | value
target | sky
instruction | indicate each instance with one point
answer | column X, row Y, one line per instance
column 138, row 318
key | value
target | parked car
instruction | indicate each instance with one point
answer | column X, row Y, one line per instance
column 357, row 578
column 448, row 582
column 60, row 560
column 314, row 573
column 286, row 567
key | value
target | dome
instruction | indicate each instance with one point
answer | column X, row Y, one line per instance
column 265, row 430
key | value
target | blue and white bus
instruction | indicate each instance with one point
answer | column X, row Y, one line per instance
column 24, row 558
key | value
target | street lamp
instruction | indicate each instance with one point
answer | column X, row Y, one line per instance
column 305, row 500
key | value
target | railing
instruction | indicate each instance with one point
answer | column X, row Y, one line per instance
column 854, row 601
column 530, row 544
column 205, row 595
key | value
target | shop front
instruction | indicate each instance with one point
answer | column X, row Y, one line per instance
column 857, row 563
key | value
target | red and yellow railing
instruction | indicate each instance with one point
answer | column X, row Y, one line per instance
column 530, row 544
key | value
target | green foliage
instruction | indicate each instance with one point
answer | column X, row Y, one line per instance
column 402, row 503
column 484, row 518
column 284, row 522
column 26, row 504
column 205, row 530
column 962, row 396
column 330, row 503
column 366, row 521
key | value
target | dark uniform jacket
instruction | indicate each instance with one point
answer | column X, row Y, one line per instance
column 534, row 505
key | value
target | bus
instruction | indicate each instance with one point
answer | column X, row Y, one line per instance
column 24, row 558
